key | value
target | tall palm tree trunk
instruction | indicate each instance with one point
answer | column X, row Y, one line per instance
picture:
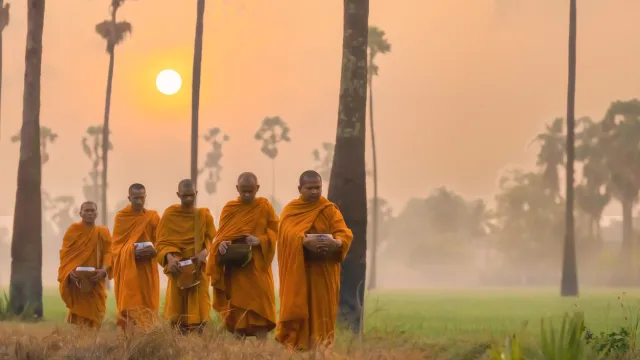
column 25, row 287
column 347, row 185
column 374, row 234
column 195, row 89
column 104, row 212
column 569, row 282
column 1, row 5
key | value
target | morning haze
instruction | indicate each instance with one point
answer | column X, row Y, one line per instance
column 466, row 87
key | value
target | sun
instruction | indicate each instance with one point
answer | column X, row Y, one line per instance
column 168, row 82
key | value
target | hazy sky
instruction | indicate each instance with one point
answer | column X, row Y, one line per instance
column 466, row 88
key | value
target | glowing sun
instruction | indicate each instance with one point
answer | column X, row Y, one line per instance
column 168, row 82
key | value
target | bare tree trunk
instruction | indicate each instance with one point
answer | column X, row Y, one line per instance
column 347, row 185
column 569, row 282
column 273, row 180
column 195, row 89
column 374, row 241
column 105, row 140
column 26, row 246
column 1, row 31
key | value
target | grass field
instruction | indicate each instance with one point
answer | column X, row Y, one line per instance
column 460, row 324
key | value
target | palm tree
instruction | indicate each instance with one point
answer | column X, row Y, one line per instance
column 347, row 185
column 212, row 162
column 46, row 136
column 619, row 141
column 114, row 33
column 4, row 22
column 551, row 154
column 92, row 150
column 569, row 282
column 25, row 286
column 195, row 89
column 593, row 194
column 378, row 44
column 272, row 131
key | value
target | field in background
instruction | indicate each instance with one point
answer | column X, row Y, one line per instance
column 426, row 324
column 474, row 314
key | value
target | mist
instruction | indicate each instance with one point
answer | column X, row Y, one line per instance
column 458, row 102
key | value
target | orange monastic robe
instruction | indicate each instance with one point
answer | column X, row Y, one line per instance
column 309, row 289
column 87, row 246
column 244, row 297
column 136, row 282
column 176, row 236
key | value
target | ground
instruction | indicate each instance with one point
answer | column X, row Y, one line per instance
column 457, row 323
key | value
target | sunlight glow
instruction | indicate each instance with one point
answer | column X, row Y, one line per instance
column 168, row 82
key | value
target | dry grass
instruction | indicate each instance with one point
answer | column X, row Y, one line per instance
column 41, row 341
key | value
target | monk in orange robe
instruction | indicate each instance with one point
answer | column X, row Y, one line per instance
column 185, row 234
column 244, row 296
column 85, row 245
column 135, row 271
column 313, row 240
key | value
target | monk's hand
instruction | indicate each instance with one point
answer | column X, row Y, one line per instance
column 146, row 252
column 334, row 244
column 201, row 257
column 222, row 248
column 100, row 275
column 252, row 240
column 72, row 277
column 315, row 244
column 173, row 265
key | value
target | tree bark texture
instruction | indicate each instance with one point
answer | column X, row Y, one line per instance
column 347, row 186
column 25, row 288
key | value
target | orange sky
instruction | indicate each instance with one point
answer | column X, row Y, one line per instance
column 460, row 97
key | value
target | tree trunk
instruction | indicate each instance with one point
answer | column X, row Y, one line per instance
column 1, row 31
column 374, row 241
column 195, row 89
column 347, row 185
column 25, row 286
column 105, row 141
column 569, row 282
column 273, row 180
column 627, row 241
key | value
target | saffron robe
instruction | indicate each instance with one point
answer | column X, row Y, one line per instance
column 84, row 246
column 136, row 282
column 309, row 289
column 244, row 296
column 175, row 235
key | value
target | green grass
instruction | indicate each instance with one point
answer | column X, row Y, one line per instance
column 472, row 314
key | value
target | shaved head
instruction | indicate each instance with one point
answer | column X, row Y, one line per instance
column 187, row 193
column 185, row 184
column 247, row 176
column 89, row 212
column 310, row 187
column 247, row 187
column 88, row 204
column 309, row 175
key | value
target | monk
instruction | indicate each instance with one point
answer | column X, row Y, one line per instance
column 135, row 271
column 185, row 233
column 85, row 245
column 244, row 296
column 313, row 240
